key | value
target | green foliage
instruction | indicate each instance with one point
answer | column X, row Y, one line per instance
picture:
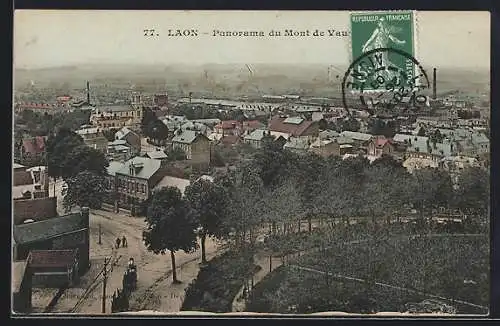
column 175, row 154
column 170, row 227
column 110, row 134
column 152, row 127
column 84, row 158
column 38, row 124
column 206, row 200
column 218, row 282
column 59, row 145
column 85, row 189
column 473, row 193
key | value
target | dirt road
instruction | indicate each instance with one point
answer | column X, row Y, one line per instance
column 154, row 288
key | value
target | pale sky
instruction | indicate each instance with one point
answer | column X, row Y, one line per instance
column 66, row 37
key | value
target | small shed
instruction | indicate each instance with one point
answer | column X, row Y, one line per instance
column 54, row 268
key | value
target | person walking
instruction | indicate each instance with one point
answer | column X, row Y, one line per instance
column 124, row 242
column 118, row 243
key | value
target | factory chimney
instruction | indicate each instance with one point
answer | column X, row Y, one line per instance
column 434, row 84
column 88, row 93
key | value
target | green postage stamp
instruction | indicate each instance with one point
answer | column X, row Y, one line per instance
column 384, row 30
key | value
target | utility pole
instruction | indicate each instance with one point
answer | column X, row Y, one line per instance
column 104, row 286
column 100, row 233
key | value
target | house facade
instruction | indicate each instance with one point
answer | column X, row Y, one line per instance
column 195, row 145
column 379, row 146
column 326, row 147
column 116, row 116
column 134, row 180
column 93, row 138
column 132, row 139
column 33, row 148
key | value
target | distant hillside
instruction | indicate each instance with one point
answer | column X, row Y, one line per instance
column 226, row 79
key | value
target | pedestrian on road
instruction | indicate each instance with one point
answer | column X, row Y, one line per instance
column 118, row 242
column 124, row 242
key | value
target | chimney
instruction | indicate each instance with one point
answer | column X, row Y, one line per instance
column 434, row 85
column 88, row 93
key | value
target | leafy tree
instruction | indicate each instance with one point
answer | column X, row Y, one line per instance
column 422, row 132
column 206, row 200
column 84, row 189
column 350, row 124
column 175, row 154
column 148, row 117
column 83, row 158
column 58, row 148
column 473, row 191
column 157, row 130
column 243, row 211
column 308, row 177
column 431, row 188
column 170, row 226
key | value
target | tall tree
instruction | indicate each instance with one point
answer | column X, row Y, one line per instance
column 244, row 190
column 83, row 158
column 84, row 189
column 58, row 146
column 169, row 225
column 473, row 191
column 206, row 200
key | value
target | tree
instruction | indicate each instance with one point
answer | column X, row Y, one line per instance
column 85, row 189
column 431, row 188
column 175, row 154
column 473, row 191
column 206, row 201
column 83, row 158
column 422, row 132
column 350, row 124
column 243, row 212
column 169, row 225
column 58, row 147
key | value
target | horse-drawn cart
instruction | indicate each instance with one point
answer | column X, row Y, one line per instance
column 130, row 277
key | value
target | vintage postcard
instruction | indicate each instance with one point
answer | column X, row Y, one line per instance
column 239, row 162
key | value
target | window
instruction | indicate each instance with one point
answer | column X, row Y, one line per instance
column 137, row 187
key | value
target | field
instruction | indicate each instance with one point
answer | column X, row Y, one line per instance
column 451, row 266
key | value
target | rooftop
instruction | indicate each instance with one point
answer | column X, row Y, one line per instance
column 186, row 136
column 36, row 231
column 146, row 167
column 114, row 167
column 120, row 134
column 157, row 155
column 257, row 135
column 117, row 108
column 52, row 258
column 18, row 166
column 169, row 181
column 294, row 120
column 356, row 135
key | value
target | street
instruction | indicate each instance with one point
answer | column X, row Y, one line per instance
column 154, row 285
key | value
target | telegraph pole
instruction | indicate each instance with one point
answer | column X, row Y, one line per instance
column 100, row 233
column 104, row 286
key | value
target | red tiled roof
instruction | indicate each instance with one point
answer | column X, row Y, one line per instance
column 34, row 145
column 52, row 258
column 228, row 124
column 277, row 124
column 230, row 139
column 252, row 124
column 36, row 106
column 382, row 141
